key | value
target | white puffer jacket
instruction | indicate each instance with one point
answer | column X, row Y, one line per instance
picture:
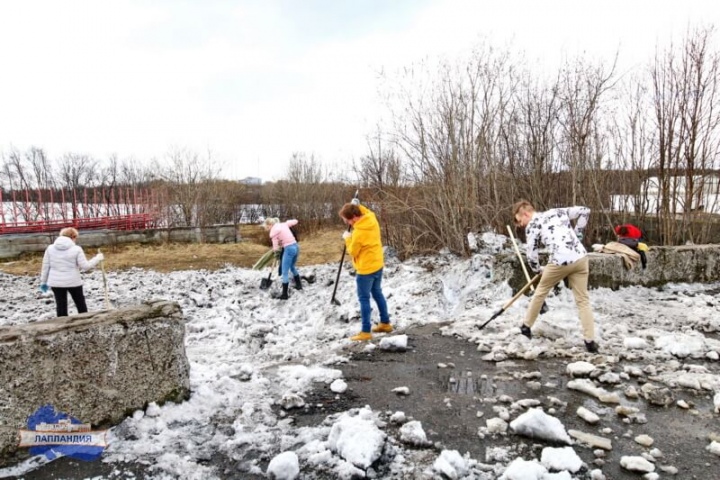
column 63, row 262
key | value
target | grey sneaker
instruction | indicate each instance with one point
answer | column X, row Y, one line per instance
column 525, row 330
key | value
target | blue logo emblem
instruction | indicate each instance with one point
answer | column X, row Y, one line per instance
column 54, row 434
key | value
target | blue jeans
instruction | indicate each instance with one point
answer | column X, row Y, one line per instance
column 368, row 285
column 289, row 259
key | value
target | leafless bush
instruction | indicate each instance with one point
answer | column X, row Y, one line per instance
column 468, row 139
column 188, row 181
column 309, row 192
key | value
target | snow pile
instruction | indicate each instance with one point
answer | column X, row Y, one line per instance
column 255, row 360
column 357, row 439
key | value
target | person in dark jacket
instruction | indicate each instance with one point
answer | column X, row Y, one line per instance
column 61, row 267
column 631, row 236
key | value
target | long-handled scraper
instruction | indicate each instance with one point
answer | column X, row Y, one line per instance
column 511, row 301
column 544, row 308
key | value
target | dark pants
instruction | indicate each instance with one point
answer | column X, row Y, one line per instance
column 61, row 299
column 633, row 243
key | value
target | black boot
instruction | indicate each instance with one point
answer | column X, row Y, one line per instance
column 298, row 282
column 284, row 295
column 525, row 330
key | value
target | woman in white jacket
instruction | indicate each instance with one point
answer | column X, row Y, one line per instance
column 61, row 267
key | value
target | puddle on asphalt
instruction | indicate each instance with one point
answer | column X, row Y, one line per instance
column 467, row 386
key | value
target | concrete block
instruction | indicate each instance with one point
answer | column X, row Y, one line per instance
column 98, row 367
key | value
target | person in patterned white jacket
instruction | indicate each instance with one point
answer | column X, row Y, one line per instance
column 567, row 259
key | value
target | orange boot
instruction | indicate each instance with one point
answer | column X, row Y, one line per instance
column 361, row 337
column 382, row 328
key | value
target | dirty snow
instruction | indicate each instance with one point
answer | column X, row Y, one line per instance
column 254, row 359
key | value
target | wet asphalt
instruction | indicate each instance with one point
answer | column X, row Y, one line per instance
column 447, row 401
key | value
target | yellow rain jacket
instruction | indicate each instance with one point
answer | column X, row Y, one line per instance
column 364, row 245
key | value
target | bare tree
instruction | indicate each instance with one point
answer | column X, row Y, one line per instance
column 381, row 168
column 76, row 171
column 187, row 177
column 581, row 90
column 30, row 177
column 529, row 139
column 308, row 192
column 447, row 127
column 685, row 87
column 632, row 136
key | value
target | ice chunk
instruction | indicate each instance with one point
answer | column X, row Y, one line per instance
column 537, row 424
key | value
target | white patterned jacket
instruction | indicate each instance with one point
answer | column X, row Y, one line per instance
column 553, row 229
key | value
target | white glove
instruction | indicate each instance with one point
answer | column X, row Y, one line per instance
column 355, row 201
column 100, row 257
column 346, row 235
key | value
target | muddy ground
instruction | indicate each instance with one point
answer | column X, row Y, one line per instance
column 447, row 402
column 448, row 408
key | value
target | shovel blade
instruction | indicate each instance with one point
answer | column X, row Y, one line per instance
column 497, row 314
column 265, row 283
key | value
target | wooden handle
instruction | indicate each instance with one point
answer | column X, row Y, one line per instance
column 519, row 255
column 522, row 291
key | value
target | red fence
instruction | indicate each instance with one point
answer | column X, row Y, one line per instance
column 139, row 221
column 89, row 209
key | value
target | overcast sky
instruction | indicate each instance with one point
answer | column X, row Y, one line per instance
column 255, row 81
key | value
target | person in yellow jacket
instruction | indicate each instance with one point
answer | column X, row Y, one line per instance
column 364, row 245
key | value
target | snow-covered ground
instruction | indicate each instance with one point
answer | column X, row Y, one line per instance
column 253, row 357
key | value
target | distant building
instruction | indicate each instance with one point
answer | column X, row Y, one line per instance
column 251, row 181
column 706, row 195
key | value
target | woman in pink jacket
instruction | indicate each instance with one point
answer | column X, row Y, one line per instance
column 286, row 251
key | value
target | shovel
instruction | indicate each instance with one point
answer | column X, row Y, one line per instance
column 333, row 300
column 511, row 301
column 108, row 305
column 265, row 283
column 544, row 308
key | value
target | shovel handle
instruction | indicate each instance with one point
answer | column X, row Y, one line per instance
column 520, row 293
column 108, row 305
column 333, row 300
column 519, row 255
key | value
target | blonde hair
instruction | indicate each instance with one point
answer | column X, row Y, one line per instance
column 69, row 232
column 270, row 221
column 522, row 206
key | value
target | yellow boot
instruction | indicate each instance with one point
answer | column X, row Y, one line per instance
column 382, row 328
column 361, row 337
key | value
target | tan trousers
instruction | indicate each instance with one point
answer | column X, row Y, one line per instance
column 577, row 274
